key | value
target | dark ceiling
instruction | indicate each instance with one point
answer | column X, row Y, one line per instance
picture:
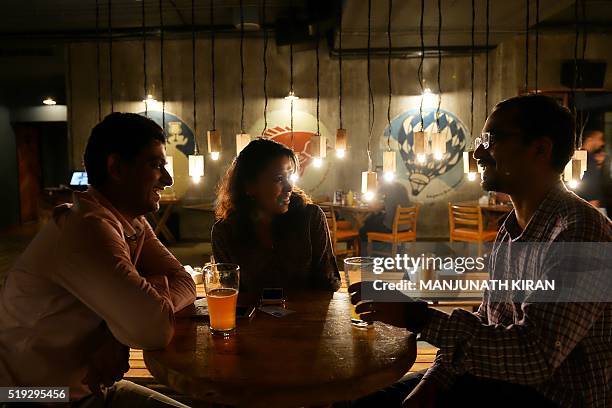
column 32, row 32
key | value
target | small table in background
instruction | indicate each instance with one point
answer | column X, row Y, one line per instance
column 358, row 213
column 158, row 222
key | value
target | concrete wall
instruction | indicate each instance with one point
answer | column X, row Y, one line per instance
column 506, row 77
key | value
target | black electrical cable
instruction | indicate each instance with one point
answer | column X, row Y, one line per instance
column 574, row 84
column 527, row 5
column 144, row 55
column 98, row 75
column 241, row 67
column 340, row 62
column 212, row 62
column 291, row 93
column 161, row 63
column 472, row 70
column 265, row 67
column 421, row 62
column 537, row 42
column 439, row 65
column 370, row 95
column 389, row 72
column 318, row 79
column 487, row 59
column 193, row 73
column 110, row 54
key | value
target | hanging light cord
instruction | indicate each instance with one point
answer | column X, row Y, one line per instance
column 421, row 62
column 389, row 73
column 340, row 63
column 161, row 62
column 439, row 65
column 110, row 55
column 193, row 73
column 583, row 119
column 291, row 77
column 578, row 142
column 241, row 67
column 318, row 78
column 537, row 42
column 99, row 78
column 144, row 54
column 265, row 67
column 370, row 95
column 527, row 5
column 487, row 29
column 212, row 62
column 472, row 71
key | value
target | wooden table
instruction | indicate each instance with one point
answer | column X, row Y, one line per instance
column 166, row 205
column 313, row 356
column 358, row 213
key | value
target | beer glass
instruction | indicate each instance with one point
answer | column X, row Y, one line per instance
column 355, row 270
column 221, row 282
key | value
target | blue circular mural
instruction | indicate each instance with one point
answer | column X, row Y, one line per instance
column 403, row 126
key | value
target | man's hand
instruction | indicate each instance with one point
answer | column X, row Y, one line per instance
column 424, row 395
column 108, row 362
column 412, row 315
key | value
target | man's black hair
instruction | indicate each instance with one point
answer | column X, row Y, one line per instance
column 125, row 134
column 540, row 115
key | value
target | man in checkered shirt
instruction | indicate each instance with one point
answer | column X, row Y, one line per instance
column 527, row 352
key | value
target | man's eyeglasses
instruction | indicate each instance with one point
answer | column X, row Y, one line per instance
column 486, row 139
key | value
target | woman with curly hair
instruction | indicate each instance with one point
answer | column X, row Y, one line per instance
column 270, row 227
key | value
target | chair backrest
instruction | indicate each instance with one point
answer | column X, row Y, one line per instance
column 460, row 216
column 330, row 215
column 405, row 216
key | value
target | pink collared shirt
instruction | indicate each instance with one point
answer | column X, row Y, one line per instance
column 85, row 266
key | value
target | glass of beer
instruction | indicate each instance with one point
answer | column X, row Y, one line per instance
column 221, row 281
column 355, row 270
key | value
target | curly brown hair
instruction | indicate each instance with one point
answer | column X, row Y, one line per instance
column 252, row 160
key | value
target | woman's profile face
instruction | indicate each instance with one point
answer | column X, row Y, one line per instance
column 272, row 188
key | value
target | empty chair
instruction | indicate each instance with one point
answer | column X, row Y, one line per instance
column 403, row 229
column 346, row 235
column 467, row 225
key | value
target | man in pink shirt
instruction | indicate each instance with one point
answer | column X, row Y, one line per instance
column 96, row 281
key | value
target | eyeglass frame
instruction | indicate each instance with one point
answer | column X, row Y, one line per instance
column 486, row 139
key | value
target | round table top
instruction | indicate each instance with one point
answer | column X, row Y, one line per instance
column 312, row 356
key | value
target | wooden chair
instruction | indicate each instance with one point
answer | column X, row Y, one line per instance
column 346, row 235
column 404, row 216
column 467, row 225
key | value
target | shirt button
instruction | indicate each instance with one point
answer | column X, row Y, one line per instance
column 557, row 344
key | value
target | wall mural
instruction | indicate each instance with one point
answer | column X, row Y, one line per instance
column 304, row 128
column 433, row 178
column 179, row 145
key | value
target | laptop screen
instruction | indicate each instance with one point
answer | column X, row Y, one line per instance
column 79, row 178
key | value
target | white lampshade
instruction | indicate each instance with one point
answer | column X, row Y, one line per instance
column 368, row 182
column 214, row 143
column 196, row 166
column 242, row 140
column 438, row 145
column 318, row 146
column 341, row 142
